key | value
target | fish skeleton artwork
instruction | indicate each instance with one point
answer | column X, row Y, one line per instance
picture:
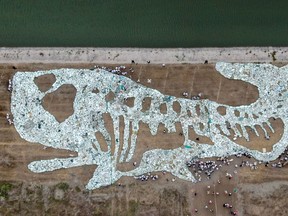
column 77, row 132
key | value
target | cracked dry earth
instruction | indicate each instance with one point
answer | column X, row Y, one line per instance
column 253, row 192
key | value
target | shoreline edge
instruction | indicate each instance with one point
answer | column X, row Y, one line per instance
column 142, row 55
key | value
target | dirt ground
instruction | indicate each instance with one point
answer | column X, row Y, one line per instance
column 261, row 191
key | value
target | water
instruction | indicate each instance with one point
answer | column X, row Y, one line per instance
column 143, row 23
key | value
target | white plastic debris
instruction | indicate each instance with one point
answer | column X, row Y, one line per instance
column 89, row 108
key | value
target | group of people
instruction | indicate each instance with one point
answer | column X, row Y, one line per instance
column 196, row 97
column 8, row 118
column 9, row 85
column 119, row 70
column 210, row 202
column 147, row 177
column 207, row 167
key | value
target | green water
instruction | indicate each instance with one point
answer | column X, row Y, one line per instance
column 143, row 23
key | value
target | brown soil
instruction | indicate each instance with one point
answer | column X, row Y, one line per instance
column 41, row 194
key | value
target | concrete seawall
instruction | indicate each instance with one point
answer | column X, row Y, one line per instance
column 142, row 55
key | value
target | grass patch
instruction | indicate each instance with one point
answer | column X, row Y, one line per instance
column 4, row 189
column 133, row 206
column 77, row 189
column 63, row 186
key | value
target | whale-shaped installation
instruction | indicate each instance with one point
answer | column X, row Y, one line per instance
column 77, row 132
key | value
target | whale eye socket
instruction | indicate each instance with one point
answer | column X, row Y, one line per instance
column 45, row 82
column 60, row 102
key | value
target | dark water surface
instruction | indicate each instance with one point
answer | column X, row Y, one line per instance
column 144, row 23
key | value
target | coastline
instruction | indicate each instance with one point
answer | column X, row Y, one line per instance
column 141, row 55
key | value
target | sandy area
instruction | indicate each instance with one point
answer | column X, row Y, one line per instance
column 142, row 55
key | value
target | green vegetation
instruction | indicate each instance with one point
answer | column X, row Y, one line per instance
column 4, row 189
column 98, row 212
column 29, row 191
column 77, row 189
column 63, row 186
column 133, row 206
column 39, row 190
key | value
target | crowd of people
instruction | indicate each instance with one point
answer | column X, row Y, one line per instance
column 9, row 85
column 199, row 166
column 9, row 119
column 147, row 177
column 119, row 70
